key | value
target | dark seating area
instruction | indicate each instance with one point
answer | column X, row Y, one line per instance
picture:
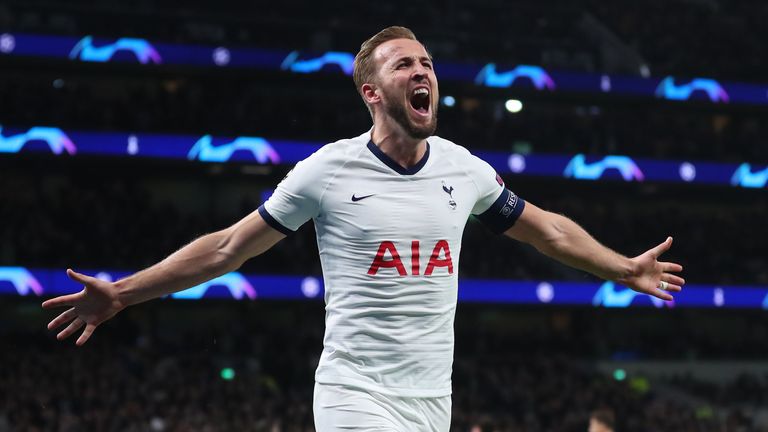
column 160, row 367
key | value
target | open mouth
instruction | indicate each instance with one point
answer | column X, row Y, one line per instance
column 420, row 100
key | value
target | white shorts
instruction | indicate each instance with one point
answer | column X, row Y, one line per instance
column 340, row 408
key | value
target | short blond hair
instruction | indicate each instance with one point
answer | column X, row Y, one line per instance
column 365, row 68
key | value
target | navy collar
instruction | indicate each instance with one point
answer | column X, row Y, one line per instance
column 396, row 166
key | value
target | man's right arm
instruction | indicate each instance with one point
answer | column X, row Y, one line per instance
column 295, row 201
column 205, row 258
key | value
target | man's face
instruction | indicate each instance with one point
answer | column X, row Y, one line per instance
column 407, row 85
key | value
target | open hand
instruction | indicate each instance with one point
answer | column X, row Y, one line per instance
column 96, row 303
column 649, row 273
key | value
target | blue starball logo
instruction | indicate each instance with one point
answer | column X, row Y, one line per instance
column 22, row 280
column 342, row 60
column 578, row 168
column 667, row 89
column 144, row 52
column 204, row 150
column 609, row 296
column 489, row 77
column 237, row 285
column 56, row 139
column 745, row 177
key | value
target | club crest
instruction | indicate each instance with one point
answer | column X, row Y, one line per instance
column 449, row 191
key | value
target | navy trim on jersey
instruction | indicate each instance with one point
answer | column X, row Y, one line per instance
column 396, row 166
column 272, row 221
column 503, row 213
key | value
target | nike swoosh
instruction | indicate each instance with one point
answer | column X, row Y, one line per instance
column 356, row 199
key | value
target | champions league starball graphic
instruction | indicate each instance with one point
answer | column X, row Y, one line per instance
column 668, row 89
column 578, row 168
column 55, row 138
column 609, row 295
column 21, row 279
column 206, row 151
column 143, row 51
column 237, row 285
column 490, row 77
column 744, row 176
column 341, row 60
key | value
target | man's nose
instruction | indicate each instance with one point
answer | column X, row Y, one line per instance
column 420, row 73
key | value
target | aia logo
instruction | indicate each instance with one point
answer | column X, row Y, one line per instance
column 389, row 257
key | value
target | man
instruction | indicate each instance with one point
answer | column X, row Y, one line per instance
column 601, row 420
column 389, row 208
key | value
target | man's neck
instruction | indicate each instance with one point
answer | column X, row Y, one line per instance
column 396, row 144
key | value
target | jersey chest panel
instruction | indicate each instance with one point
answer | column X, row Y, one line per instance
column 384, row 206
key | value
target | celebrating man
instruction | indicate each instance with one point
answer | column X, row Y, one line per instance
column 389, row 208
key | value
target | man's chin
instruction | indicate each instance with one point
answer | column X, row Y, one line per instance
column 413, row 129
column 422, row 131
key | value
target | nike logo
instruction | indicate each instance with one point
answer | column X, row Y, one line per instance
column 356, row 199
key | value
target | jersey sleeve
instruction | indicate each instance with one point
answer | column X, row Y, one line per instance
column 497, row 207
column 297, row 197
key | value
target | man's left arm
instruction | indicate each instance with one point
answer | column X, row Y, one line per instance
column 562, row 239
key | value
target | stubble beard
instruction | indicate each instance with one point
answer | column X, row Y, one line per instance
column 398, row 113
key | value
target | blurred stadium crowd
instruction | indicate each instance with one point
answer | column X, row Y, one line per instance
column 228, row 105
column 223, row 367
column 559, row 34
column 159, row 367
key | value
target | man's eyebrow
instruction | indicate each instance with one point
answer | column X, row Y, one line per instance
column 409, row 58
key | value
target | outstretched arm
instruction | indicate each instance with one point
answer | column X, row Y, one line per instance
column 207, row 257
column 562, row 239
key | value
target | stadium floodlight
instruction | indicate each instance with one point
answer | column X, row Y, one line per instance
column 513, row 105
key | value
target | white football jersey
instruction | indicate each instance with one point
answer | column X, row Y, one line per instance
column 389, row 240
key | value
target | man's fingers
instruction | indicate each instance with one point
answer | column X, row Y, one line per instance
column 668, row 286
column 661, row 248
column 671, row 267
column 65, row 316
column 656, row 292
column 71, row 328
column 672, row 279
column 79, row 277
column 65, row 300
column 69, row 299
column 86, row 334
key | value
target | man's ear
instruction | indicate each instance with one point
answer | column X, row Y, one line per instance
column 371, row 93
